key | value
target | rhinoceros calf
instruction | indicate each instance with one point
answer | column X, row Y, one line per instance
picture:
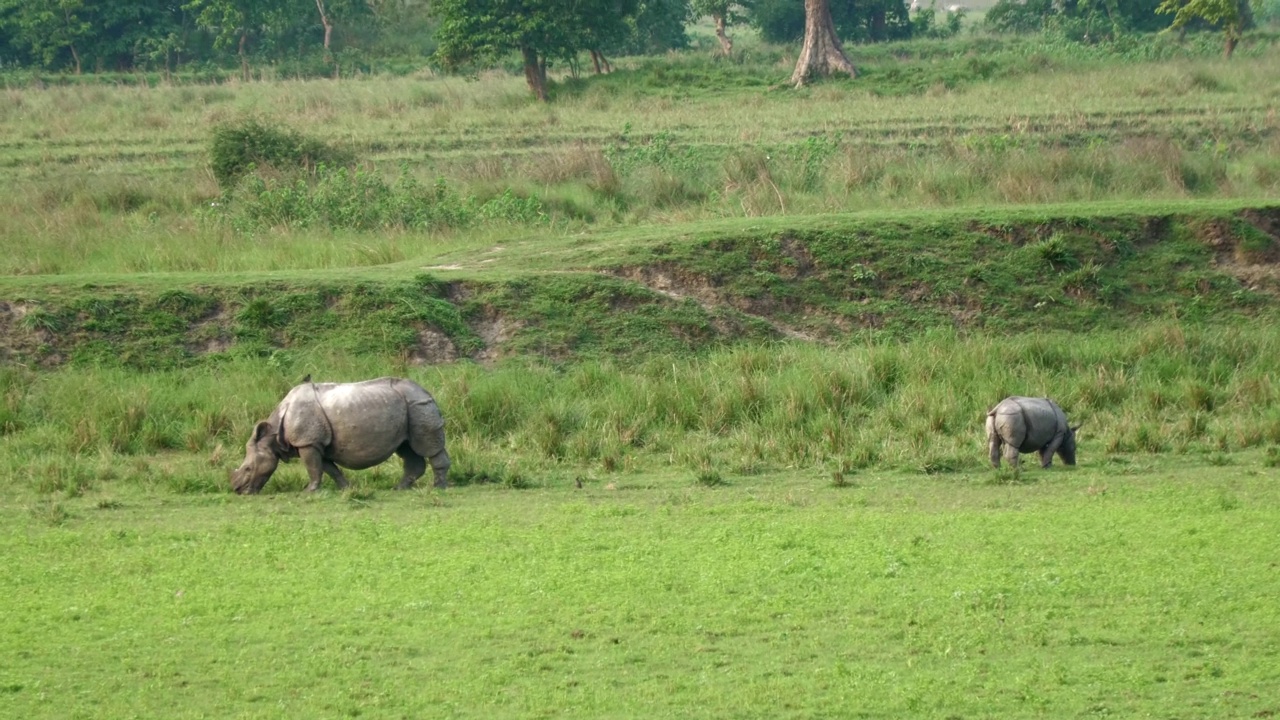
column 352, row 425
column 1022, row 424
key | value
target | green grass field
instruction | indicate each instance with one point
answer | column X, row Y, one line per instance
column 1132, row 589
column 714, row 357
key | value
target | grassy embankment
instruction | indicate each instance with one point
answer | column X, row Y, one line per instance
column 773, row 411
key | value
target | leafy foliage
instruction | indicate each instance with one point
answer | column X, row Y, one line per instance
column 1230, row 15
column 541, row 30
column 874, row 21
column 1082, row 20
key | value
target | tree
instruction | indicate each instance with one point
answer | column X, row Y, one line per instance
column 540, row 30
column 1233, row 16
column 822, row 53
column 233, row 21
column 328, row 27
column 658, row 26
column 720, row 11
column 783, row 21
column 48, row 27
column 339, row 11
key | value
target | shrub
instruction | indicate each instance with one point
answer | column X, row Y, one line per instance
column 240, row 146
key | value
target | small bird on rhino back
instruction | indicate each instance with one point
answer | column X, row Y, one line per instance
column 1024, row 424
column 351, row 425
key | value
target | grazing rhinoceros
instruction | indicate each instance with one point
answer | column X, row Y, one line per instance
column 1023, row 424
column 353, row 425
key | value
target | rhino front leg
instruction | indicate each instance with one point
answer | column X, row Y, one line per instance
column 318, row 467
column 336, row 473
column 1046, row 454
column 314, row 463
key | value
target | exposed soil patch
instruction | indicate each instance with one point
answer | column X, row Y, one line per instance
column 212, row 334
column 495, row 330
column 433, row 348
column 678, row 283
column 1248, row 248
column 16, row 340
column 802, row 259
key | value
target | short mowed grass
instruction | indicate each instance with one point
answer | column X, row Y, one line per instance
column 1139, row 589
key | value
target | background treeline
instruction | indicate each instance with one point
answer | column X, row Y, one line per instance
column 336, row 37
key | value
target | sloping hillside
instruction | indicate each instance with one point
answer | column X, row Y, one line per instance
column 817, row 279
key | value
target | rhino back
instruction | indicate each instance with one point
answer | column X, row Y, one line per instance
column 1043, row 418
column 301, row 421
column 369, row 421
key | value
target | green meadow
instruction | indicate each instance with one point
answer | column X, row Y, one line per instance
column 714, row 357
column 1130, row 588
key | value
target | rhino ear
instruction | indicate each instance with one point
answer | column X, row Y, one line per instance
column 261, row 430
column 1076, row 428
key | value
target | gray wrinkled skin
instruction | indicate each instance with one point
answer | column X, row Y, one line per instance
column 1022, row 424
column 350, row 425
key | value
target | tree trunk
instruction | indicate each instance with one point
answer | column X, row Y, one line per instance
column 726, row 42
column 535, row 73
column 328, row 26
column 1230, row 46
column 76, row 57
column 244, row 59
column 600, row 62
column 822, row 53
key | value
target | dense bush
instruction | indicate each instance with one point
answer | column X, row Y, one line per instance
column 240, row 146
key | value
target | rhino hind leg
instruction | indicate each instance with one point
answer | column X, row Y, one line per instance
column 440, row 464
column 414, row 466
column 993, row 440
column 1011, row 453
column 1000, row 435
column 426, row 439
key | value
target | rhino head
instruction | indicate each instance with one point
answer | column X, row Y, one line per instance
column 261, row 456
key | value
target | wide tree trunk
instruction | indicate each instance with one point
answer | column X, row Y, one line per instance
column 822, row 53
column 726, row 42
column 535, row 72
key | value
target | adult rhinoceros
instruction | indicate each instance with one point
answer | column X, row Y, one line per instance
column 352, row 425
column 1023, row 424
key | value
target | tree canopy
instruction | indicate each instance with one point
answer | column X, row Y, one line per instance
column 541, row 31
column 1233, row 16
